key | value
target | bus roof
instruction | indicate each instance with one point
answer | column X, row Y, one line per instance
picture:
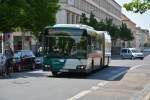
column 106, row 34
column 100, row 32
column 78, row 26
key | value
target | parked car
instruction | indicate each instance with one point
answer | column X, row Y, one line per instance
column 39, row 62
column 131, row 53
column 24, row 59
column 146, row 50
column 2, row 63
column 39, row 57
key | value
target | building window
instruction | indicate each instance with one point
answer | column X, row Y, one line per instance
column 77, row 19
column 68, row 18
column 73, row 19
column 71, row 2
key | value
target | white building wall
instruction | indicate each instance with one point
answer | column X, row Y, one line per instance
column 137, row 40
column 100, row 8
column 61, row 17
column 141, row 38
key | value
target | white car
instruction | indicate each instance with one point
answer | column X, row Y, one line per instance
column 2, row 63
column 131, row 53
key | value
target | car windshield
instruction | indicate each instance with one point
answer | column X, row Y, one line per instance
column 135, row 51
column 19, row 54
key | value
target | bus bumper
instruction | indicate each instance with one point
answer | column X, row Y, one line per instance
column 73, row 71
column 46, row 68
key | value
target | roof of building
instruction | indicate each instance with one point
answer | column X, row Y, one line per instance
column 117, row 3
column 124, row 18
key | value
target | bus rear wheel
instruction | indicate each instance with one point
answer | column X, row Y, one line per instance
column 92, row 66
column 107, row 65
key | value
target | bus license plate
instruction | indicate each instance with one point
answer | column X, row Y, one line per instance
column 64, row 70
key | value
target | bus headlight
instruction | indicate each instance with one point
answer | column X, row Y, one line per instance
column 81, row 67
column 47, row 66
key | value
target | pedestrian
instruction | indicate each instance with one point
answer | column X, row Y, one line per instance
column 9, row 60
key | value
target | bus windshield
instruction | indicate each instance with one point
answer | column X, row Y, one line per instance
column 74, row 47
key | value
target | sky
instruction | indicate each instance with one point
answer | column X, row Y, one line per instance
column 141, row 20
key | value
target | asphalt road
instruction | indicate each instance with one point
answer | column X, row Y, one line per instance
column 123, row 80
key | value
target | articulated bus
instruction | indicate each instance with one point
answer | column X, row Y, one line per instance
column 75, row 48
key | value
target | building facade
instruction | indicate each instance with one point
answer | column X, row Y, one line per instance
column 141, row 36
column 144, row 38
column 16, row 40
column 71, row 10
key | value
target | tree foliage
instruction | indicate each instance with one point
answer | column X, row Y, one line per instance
column 138, row 6
column 116, row 32
column 125, row 33
column 30, row 15
column 107, row 25
column 93, row 21
column 84, row 19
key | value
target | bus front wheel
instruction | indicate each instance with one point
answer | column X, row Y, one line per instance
column 54, row 73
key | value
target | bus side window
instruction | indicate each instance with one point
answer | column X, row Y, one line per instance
column 89, row 40
column 89, row 47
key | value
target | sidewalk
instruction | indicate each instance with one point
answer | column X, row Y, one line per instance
column 135, row 85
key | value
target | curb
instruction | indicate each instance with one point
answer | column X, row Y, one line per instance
column 147, row 97
column 144, row 94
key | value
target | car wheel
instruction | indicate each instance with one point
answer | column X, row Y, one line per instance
column 122, row 57
column 33, row 66
column 141, row 58
column 132, row 58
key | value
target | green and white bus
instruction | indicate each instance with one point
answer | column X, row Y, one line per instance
column 75, row 48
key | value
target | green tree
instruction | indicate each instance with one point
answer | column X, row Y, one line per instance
column 27, row 15
column 125, row 33
column 43, row 14
column 107, row 25
column 9, row 14
column 30, row 15
column 84, row 19
column 116, row 32
column 93, row 21
column 138, row 6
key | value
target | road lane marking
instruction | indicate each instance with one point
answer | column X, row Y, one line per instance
column 101, row 84
column 83, row 93
column 94, row 88
column 147, row 97
column 79, row 95
column 135, row 67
